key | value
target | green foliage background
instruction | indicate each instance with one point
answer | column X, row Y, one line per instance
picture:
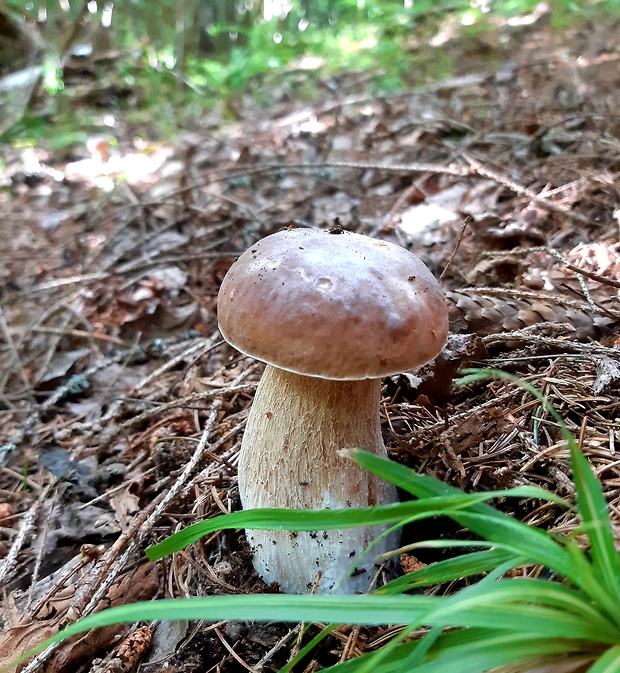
column 183, row 57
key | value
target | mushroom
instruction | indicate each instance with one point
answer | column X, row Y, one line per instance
column 331, row 314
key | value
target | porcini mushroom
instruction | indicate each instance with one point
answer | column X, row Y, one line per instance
column 330, row 314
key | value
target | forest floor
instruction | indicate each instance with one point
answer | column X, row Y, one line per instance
column 504, row 180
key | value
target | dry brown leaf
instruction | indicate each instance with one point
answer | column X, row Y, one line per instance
column 125, row 505
column 25, row 632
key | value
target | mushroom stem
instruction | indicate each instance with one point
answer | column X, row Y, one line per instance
column 289, row 458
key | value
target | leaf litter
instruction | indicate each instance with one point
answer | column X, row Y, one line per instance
column 122, row 408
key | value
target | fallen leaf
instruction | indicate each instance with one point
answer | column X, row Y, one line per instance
column 125, row 505
column 26, row 631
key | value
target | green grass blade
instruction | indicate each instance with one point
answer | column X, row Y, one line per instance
column 424, row 486
column 525, row 541
column 537, row 547
column 311, row 520
column 476, row 646
column 487, row 653
column 524, row 595
column 466, row 565
column 520, row 618
column 532, row 543
column 482, row 610
column 365, row 609
column 590, row 584
column 308, row 647
column 590, row 499
column 288, row 519
column 608, row 662
column 597, row 524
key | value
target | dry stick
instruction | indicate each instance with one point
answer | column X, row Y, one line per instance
column 69, row 280
column 234, row 655
column 116, row 405
column 276, row 648
column 24, row 528
column 21, row 478
column 33, row 419
column 82, row 562
column 540, row 296
column 572, row 267
column 141, row 264
column 485, row 172
column 222, row 174
column 111, row 565
column 49, row 310
column 38, row 547
column 240, row 204
column 464, row 226
column 474, row 168
column 4, row 327
column 54, row 343
column 581, row 281
column 589, row 274
column 184, row 402
column 350, row 645
column 70, row 332
column 199, row 344
column 222, row 460
column 450, row 83
column 582, row 272
column 527, row 336
column 302, row 626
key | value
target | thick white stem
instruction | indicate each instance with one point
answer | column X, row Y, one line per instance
column 289, row 458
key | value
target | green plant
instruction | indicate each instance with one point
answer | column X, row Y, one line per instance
column 498, row 621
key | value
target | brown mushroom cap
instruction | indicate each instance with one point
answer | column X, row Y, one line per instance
column 337, row 306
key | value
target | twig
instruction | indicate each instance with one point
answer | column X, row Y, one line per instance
column 554, row 253
column 199, row 345
column 85, row 558
column 111, row 565
column 485, row 172
column 79, row 333
column 580, row 280
column 4, row 327
column 276, row 648
column 583, row 272
column 54, row 343
column 437, row 87
column 219, row 175
column 456, row 247
column 184, row 402
column 232, row 652
column 526, row 335
column 70, row 280
column 541, row 297
column 24, row 528
column 350, row 645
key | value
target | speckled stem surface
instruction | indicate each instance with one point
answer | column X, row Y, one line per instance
column 289, row 458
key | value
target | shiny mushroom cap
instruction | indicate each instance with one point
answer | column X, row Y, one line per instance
column 333, row 305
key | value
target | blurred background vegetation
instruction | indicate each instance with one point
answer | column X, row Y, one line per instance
column 68, row 66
